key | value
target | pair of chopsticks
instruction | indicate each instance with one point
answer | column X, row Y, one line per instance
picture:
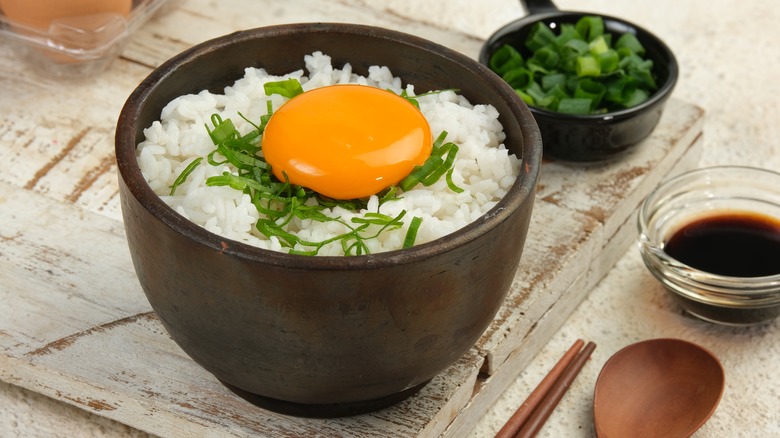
column 531, row 415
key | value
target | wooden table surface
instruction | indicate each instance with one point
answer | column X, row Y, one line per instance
column 76, row 327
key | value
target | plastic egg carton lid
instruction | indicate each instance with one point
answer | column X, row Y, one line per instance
column 73, row 42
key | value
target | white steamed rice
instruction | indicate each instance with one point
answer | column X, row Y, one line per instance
column 483, row 166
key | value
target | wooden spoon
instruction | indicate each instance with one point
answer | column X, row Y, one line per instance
column 657, row 388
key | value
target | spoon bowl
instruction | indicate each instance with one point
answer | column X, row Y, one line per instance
column 657, row 388
column 591, row 137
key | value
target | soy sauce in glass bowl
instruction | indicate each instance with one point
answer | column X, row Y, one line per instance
column 733, row 244
column 712, row 238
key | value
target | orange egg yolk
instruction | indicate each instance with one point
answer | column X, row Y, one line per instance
column 346, row 141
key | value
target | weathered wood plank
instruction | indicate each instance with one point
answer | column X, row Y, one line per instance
column 77, row 327
column 63, row 272
column 188, row 25
column 534, row 337
column 599, row 199
column 58, row 150
column 51, row 147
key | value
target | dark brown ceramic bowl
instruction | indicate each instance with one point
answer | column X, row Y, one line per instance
column 323, row 331
column 592, row 137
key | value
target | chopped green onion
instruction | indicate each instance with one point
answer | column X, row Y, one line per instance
column 587, row 66
column 579, row 47
column 450, row 184
column 420, row 172
column 540, row 36
column 546, row 57
column 554, row 96
column 536, row 92
column 234, row 181
column 643, row 75
column 451, row 149
column 439, row 140
column 223, row 129
column 288, row 88
column 555, row 64
column 265, row 117
column 608, row 60
column 505, row 58
column 574, row 106
column 570, row 51
column 568, row 33
column 184, row 174
column 551, row 80
column 373, row 218
column 598, row 46
column 629, row 41
column 410, row 99
column 518, row 78
column 438, row 163
column 637, row 97
column 590, row 89
column 620, row 89
column 411, row 232
column 590, row 27
column 388, row 195
column 239, row 158
column 413, row 99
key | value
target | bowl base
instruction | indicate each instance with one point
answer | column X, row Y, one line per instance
column 726, row 316
column 324, row 410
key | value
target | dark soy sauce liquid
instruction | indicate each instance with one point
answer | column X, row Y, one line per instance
column 731, row 244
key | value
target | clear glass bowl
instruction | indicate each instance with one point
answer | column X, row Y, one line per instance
column 700, row 194
column 75, row 46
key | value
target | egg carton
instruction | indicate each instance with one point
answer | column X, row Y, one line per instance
column 74, row 46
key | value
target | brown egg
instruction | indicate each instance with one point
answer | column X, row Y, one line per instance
column 40, row 13
column 68, row 27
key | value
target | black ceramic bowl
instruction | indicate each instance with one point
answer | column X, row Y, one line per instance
column 592, row 137
column 321, row 333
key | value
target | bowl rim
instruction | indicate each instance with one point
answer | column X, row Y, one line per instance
column 659, row 96
column 518, row 194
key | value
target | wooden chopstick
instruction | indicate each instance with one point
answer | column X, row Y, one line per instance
column 531, row 415
column 518, row 419
column 546, row 407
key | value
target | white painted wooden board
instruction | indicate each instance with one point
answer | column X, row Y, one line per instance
column 75, row 325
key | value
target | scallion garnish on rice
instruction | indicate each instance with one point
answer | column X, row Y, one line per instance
column 288, row 88
column 440, row 162
column 184, row 174
column 194, row 141
column 279, row 202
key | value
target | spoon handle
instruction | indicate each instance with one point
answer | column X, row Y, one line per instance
column 538, row 6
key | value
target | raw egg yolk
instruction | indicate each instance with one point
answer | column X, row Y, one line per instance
column 346, row 141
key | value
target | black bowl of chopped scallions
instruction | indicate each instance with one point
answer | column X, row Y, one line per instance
column 595, row 84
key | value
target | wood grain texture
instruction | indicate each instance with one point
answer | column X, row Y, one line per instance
column 579, row 211
column 77, row 327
